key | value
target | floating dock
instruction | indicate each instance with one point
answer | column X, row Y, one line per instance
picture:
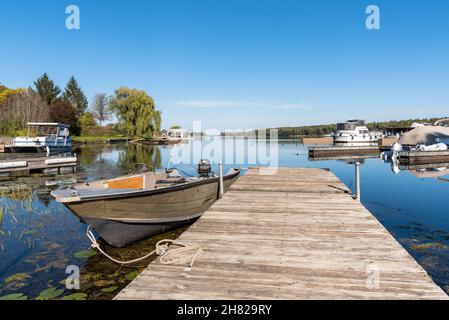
column 118, row 140
column 318, row 140
column 347, row 158
column 160, row 142
column 291, row 234
column 37, row 164
column 423, row 157
column 334, row 151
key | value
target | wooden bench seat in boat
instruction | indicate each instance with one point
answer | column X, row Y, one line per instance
column 141, row 181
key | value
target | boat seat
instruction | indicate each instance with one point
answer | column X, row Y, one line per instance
column 149, row 180
column 132, row 182
column 141, row 181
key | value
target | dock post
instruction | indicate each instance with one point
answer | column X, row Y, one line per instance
column 357, row 181
column 221, row 181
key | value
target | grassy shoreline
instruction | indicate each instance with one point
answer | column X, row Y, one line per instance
column 96, row 139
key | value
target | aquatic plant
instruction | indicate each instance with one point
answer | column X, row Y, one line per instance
column 75, row 296
column 18, row 277
column 14, row 296
column 132, row 275
column 429, row 245
column 49, row 294
column 84, row 254
column 109, row 289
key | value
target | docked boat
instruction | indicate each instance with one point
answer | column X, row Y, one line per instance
column 431, row 135
column 43, row 137
column 137, row 206
column 355, row 133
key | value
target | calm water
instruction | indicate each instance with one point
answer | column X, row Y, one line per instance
column 39, row 238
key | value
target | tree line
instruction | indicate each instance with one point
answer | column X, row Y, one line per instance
column 320, row 130
column 46, row 102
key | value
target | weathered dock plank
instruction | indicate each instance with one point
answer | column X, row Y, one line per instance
column 297, row 234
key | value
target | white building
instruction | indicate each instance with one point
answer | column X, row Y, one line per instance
column 177, row 134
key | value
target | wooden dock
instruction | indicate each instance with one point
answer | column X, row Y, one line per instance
column 423, row 157
column 335, row 151
column 318, row 140
column 295, row 234
column 36, row 164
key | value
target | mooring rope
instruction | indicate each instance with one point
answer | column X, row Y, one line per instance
column 186, row 253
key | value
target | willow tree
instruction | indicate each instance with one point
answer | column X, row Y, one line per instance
column 135, row 112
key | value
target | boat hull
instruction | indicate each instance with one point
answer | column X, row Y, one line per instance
column 121, row 221
column 121, row 234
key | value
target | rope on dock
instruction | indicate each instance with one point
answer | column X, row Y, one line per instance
column 185, row 252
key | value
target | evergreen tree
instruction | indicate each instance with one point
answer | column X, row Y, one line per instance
column 47, row 89
column 75, row 96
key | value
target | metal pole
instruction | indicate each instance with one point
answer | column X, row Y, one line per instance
column 357, row 181
column 221, row 181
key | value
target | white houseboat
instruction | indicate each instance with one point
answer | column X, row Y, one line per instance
column 176, row 135
column 43, row 137
column 355, row 133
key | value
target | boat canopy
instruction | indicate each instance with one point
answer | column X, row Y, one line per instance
column 427, row 135
column 350, row 125
column 47, row 124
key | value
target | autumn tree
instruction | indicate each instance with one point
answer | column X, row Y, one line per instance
column 47, row 89
column 64, row 112
column 136, row 113
column 100, row 107
column 19, row 106
column 75, row 96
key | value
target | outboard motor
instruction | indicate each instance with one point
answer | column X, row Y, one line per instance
column 204, row 168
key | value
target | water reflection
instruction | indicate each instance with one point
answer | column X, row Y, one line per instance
column 39, row 238
column 108, row 161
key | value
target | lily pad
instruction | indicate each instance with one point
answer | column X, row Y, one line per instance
column 18, row 277
column 429, row 245
column 84, row 254
column 50, row 293
column 132, row 275
column 14, row 296
column 75, row 296
column 109, row 289
column 29, row 232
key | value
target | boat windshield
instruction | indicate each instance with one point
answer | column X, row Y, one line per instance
column 35, row 130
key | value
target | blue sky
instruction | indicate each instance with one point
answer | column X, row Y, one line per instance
column 241, row 63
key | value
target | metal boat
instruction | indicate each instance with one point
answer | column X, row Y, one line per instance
column 137, row 206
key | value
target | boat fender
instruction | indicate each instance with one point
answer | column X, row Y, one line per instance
column 397, row 147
